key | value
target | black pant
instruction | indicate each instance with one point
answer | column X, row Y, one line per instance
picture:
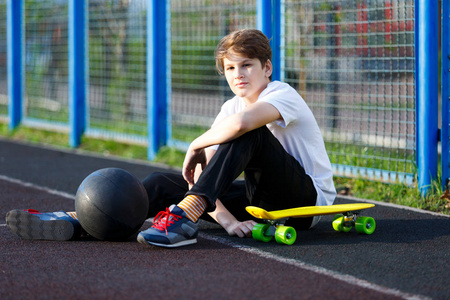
column 273, row 180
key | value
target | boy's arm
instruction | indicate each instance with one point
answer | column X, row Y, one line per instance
column 209, row 153
column 230, row 223
column 253, row 116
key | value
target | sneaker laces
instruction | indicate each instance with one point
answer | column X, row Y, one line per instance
column 164, row 219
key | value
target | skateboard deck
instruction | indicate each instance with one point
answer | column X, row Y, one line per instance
column 306, row 211
column 346, row 218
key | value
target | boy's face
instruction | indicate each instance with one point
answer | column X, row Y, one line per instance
column 246, row 77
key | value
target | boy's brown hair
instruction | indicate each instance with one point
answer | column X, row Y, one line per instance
column 251, row 43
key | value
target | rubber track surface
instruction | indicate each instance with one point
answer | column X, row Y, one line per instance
column 407, row 257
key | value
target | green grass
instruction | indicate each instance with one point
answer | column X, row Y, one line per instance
column 392, row 193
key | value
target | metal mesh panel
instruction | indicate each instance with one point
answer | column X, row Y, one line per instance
column 353, row 62
column 46, row 61
column 198, row 91
column 3, row 72
column 117, row 69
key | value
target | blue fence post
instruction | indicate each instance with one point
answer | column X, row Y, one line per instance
column 445, row 92
column 426, row 39
column 158, row 75
column 14, row 34
column 77, row 71
column 269, row 19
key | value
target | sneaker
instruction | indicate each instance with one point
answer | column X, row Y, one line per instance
column 30, row 224
column 171, row 228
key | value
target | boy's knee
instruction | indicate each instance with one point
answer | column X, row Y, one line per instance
column 161, row 183
column 254, row 137
column 156, row 184
column 153, row 179
column 162, row 190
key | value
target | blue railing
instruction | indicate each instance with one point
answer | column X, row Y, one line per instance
column 445, row 93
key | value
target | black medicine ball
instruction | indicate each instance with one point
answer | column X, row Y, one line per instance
column 111, row 204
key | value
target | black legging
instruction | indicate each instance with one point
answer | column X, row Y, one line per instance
column 273, row 180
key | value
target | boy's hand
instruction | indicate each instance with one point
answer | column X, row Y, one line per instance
column 192, row 158
column 241, row 229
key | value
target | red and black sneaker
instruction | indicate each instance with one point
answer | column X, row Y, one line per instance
column 31, row 224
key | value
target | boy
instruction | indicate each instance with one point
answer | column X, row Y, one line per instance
column 266, row 131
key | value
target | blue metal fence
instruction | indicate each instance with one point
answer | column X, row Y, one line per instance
column 142, row 71
column 77, row 72
column 427, row 39
column 14, row 62
column 3, row 68
column 445, row 92
column 158, row 75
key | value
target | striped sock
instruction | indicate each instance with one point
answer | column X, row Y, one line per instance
column 193, row 206
column 73, row 214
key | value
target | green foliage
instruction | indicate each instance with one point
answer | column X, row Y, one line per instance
column 109, row 147
column 170, row 156
column 4, row 129
column 187, row 134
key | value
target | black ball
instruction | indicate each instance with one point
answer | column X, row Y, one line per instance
column 111, row 204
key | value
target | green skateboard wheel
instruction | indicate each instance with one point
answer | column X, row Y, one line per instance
column 339, row 225
column 285, row 235
column 365, row 225
column 258, row 233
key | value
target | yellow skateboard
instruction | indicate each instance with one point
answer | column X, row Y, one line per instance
column 346, row 218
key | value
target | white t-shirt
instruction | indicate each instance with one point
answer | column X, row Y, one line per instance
column 298, row 132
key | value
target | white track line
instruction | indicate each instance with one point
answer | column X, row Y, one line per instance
column 293, row 262
column 37, row 187
column 316, row 269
